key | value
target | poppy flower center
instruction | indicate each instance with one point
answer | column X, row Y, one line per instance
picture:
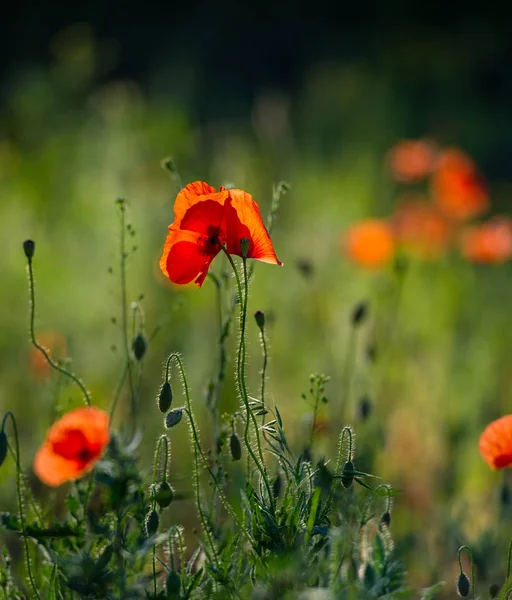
column 210, row 243
column 74, row 446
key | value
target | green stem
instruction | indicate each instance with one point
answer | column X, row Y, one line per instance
column 263, row 369
column 20, row 501
column 240, row 368
column 161, row 440
column 118, row 392
column 124, row 313
column 35, row 343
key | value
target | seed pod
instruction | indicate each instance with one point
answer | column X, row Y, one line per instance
column 347, row 475
column 359, row 313
column 260, row 319
column 29, row 248
column 139, row 346
column 173, row 584
column 151, row 522
column 463, row 585
column 235, row 447
column 3, row 446
column 386, row 519
column 164, row 494
column 364, row 408
column 173, row 417
column 244, row 246
column 165, row 397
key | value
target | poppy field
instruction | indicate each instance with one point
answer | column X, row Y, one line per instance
column 248, row 359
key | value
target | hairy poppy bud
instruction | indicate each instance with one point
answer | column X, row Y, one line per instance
column 151, row 522
column 164, row 494
column 260, row 319
column 463, row 585
column 235, row 447
column 173, row 584
column 386, row 519
column 359, row 313
column 347, row 475
column 165, row 397
column 29, row 247
column 173, row 417
column 139, row 346
column 244, row 246
column 3, row 447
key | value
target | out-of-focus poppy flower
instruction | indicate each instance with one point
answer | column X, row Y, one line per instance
column 495, row 443
column 420, row 229
column 411, row 160
column 370, row 243
column 204, row 221
column 73, row 445
column 55, row 344
column 489, row 242
column 458, row 188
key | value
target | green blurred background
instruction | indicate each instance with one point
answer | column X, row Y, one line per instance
column 91, row 101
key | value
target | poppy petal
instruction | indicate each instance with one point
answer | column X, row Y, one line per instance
column 185, row 262
column 495, row 443
column 244, row 220
column 193, row 193
column 204, row 216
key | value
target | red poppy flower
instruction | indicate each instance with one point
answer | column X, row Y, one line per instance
column 370, row 243
column 495, row 443
column 490, row 242
column 411, row 160
column 73, row 445
column 458, row 188
column 204, row 221
column 421, row 229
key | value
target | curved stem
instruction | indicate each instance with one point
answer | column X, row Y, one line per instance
column 54, row 365
column 470, row 552
column 509, row 559
column 20, row 501
column 161, row 440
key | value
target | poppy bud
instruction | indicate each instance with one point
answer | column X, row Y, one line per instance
column 359, row 313
column 29, row 247
column 104, row 558
column 369, row 576
column 3, row 447
column 165, row 397
column 151, row 522
column 173, row 584
column 164, row 494
column 494, row 590
column 347, row 475
column 386, row 519
column 260, row 319
column 244, row 246
column 139, row 346
column 364, row 408
column 463, row 585
column 235, row 447
column 173, row 417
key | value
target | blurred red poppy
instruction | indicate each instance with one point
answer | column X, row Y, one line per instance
column 495, row 443
column 489, row 242
column 204, row 221
column 370, row 243
column 421, row 229
column 73, row 445
column 411, row 160
column 55, row 344
column 457, row 187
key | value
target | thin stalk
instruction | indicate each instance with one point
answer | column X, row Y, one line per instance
column 20, row 500
column 260, row 463
column 263, row 369
column 35, row 343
